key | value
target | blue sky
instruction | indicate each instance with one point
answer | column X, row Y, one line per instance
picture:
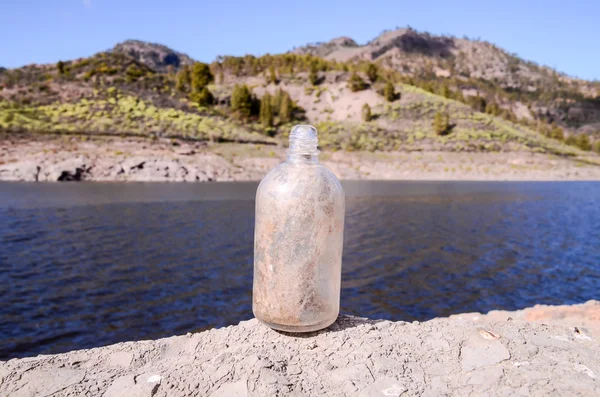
column 560, row 34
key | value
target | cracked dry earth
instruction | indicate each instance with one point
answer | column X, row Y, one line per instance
column 354, row 357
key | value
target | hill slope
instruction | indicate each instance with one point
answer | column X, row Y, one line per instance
column 477, row 68
column 127, row 91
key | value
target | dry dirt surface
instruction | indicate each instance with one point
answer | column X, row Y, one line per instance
column 354, row 357
column 142, row 160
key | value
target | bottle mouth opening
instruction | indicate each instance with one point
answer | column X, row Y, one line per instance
column 303, row 141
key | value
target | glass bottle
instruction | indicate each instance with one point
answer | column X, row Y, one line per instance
column 298, row 240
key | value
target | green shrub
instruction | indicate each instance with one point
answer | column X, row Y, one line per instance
column 596, row 146
column 242, row 101
column 557, row 133
column 583, row 142
column 372, row 72
column 366, row 113
column 201, row 76
column 266, row 111
column 133, row 73
column 492, row 108
column 313, row 76
column 203, row 98
column 60, row 66
column 477, row 103
column 389, row 93
column 441, row 123
column 184, row 79
column 286, row 107
column 356, row 83
column 445, row 91
column 272, row 75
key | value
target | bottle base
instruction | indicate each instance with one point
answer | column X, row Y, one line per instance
column 300, row 328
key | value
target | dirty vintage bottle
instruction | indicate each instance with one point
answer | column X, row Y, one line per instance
column 298, row 240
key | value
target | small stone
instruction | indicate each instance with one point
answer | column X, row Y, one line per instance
column 154, row 379
column 487, row 335
column 384, row 387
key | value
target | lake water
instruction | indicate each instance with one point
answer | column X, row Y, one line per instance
column 84, row 265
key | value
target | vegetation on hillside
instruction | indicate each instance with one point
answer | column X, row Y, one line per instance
column 249, row 99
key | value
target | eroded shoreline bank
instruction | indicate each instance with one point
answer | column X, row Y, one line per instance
column 538, row 351
column 51, row 159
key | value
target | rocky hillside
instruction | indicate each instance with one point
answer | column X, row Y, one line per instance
column 402, row 91
column 479, row 68
column 156, row 56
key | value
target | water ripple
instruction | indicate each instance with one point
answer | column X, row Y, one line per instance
column 79, row 270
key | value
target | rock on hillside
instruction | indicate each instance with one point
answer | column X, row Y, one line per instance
column 156, row 56
column 324, row 49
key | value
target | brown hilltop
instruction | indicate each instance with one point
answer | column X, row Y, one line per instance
column 156, row 56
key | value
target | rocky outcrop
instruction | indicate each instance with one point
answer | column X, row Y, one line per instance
column 355, row 356
column 156, row 56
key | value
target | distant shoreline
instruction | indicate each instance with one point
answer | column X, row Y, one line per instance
column 117, row 159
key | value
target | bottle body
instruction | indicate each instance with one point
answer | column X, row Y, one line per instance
column 298, row 247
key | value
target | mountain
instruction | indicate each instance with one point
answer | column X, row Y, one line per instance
column 414, row 53
column 156, row 56
column 403, row 90
column 477, row 68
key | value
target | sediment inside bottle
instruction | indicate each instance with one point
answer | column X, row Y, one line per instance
column 297, row 250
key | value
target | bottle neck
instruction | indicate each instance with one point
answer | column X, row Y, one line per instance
column 303, row 145
column 302, row 158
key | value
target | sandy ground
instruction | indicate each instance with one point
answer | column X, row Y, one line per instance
column 126, row 159
column 492, row 356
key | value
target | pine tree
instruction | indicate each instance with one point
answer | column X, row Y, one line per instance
column 266, row 111
column 583, row 142
column 445, row 91
column 372, row 72
column 557, row 133
column 285, row 108
column 356, row 83
column 441, row 123
column 183, row 79
column 477, row 103
column 241, row 100
column 201, row 76
column 276, row 101
column 313, row 75
column 492, row 108
column 272, row 75
column 389, row 93
column 60, row 65
column 366, row 112
column 203, row 98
